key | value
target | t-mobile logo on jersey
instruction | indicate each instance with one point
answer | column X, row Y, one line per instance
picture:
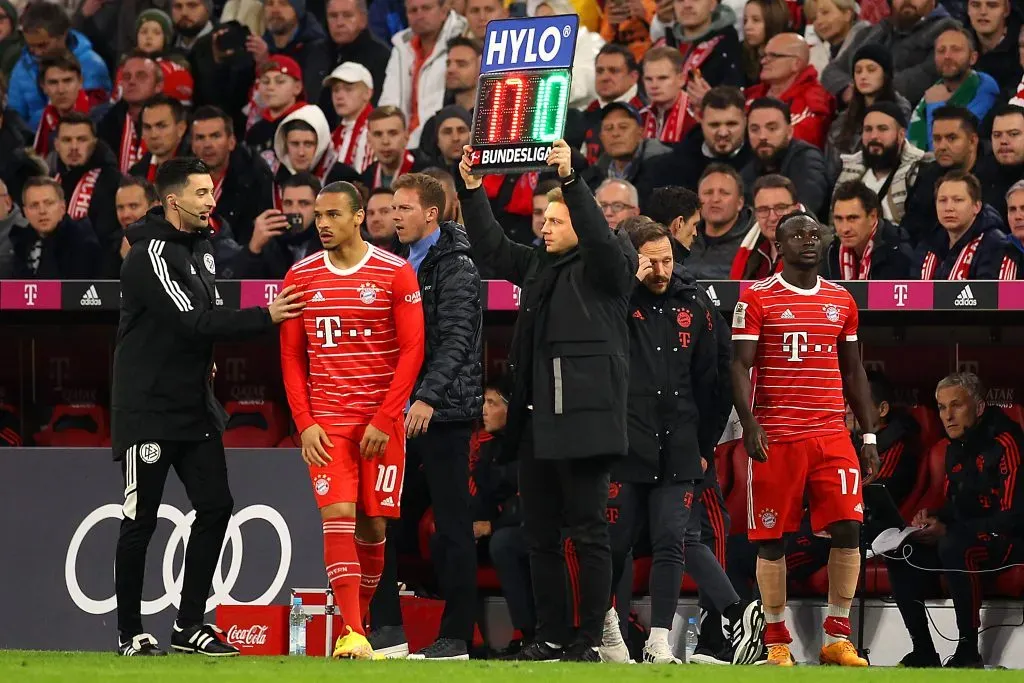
column 327, row 328
column 795, row 342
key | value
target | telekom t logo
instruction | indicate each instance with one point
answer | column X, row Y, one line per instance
column 899, row 294
column 270, row 293
column 31, row 294
column 327, row 328
column 794, row 342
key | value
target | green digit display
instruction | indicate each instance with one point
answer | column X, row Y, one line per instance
column 552, row 96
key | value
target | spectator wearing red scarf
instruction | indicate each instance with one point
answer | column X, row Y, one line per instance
column 867, row 247
column 60, row 77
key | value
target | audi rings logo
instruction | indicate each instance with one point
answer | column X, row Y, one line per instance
column 222, row 585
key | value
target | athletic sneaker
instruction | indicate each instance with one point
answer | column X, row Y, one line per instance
column 443, row 649
column 746, row 634
column 779, row 655
column 389, row 642
column 841, row 653
column 204, row 639
column 535, row 651
column 582, row 651
column 659, row 653
column 705, row 655
column 142, row 645
column 613, row 648
column 353, row 645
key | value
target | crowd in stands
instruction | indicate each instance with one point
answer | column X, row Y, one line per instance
column 897, row 123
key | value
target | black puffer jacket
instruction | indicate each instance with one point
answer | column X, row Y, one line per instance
column 451, row 381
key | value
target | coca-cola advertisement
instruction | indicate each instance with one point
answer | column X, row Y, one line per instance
column 255, row 630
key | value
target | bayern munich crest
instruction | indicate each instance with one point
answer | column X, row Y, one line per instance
column 832, row 313
column 321, row 484
column 367, row 293
column 769, row 518
column 684, row 318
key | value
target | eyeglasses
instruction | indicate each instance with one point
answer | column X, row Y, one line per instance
column 779, row 209
column 776, row 55
column 614, row 207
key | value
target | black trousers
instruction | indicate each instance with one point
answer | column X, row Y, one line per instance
column 713, row 516
column 202, row 469
column 442, row 454
column 957, row 553
column 511, row 559
column 570, row 494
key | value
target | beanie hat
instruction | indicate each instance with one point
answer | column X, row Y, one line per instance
column 875, row 52
column 11, row 11
column 158, row 16
column 453, row 112
column 890, row 109
column 299, row 6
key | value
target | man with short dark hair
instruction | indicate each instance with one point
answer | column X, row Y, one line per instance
column 461, row 74
column 758, row 255
column 867, row 246
column 60, row 77
column 971, row 243
column 1005, row 166
column 616, row 80
column 389, row 136
column 134, row 198
column 678, row 209
column 725, row 221
column 52, row 246
column 776, row 150
column 164, row 129
column 192, row 21
column 352, row 41
column 141, row 79
column 996, row 27
column 164, row 412
column 977, row 528
column 627, row 155
column 379, row 225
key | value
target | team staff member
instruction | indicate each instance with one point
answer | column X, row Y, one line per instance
column 569, row 359
column 164, row 410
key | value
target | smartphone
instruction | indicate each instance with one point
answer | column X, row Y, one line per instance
column 295, row 221
column 233, row 40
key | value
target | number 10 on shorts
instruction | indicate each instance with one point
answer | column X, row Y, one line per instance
column 387, row 477
column 854, row 477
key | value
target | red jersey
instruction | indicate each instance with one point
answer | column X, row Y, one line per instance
column 798, row 388
column 353, row 355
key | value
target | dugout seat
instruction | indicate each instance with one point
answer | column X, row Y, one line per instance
column 292, row 440
column 931, row 427
column 1016, row 413
column 84, row 425
column 929, row 489
column 254, row 424
column 10, row 427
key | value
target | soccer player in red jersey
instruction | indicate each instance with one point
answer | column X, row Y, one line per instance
column 799, row 334
column 349, row 365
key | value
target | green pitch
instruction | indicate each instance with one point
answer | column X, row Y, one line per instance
column 76, row 667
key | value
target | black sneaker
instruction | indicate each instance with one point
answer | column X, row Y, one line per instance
column 443, row 649
column 534, row 651
column 389, row 642
column 921, row 660
column 706, row 655
column 746, row 634
column 204, row 639
column 142, row 645
column 581, row 651
column 963, row 659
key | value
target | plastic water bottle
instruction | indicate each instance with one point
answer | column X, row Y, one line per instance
column 297, row 628
column 691, row 638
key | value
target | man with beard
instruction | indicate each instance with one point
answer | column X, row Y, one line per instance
column 164, row 126
column 296, row 33
column 960, row 85
column 908, row 34
column 460, row 79
column 971, row 243
column 191, row 22
column 141, row 79
column 60, row 76
column 724, row 223
column 379, row 225
column 887, row 163
column 868, row 247
column 87, row 172
column 955, row 144
column 1005, row 166
column 720, row 138
column 52, row 246
column 352, row 41
column 627, row 154
column 770, row 130
column 1014, row 260
column 617, row 75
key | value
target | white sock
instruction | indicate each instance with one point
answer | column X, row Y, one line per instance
column 840, row 612
column 657, row 635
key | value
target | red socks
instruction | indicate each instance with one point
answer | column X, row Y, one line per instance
column 371, row 563
column 776, row 633
column 343, row 570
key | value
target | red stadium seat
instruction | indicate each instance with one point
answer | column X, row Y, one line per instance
column 75, row 426
column 736, row 499
column 641, row 575
column 426, row 530
column 290, row 441
column 1016, row 413
column 487, row 579
column 254, row 424
column 931, row 428
column 929, row 490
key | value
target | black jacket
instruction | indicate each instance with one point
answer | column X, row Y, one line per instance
column 311, row 48
column 569, row 355
column 996, row 180
column 451, row 381
column 988, row 258
column 367, row 50
column 804, row 164
column 169, row 323
column 225, row 85
column 891, row 256
column 102, row 208
column 497, row 485
column 1002, row 63
column 277, row 256
column 1015, row 255
column 70, row 252
column 111, row 127
column 247, row 192
column 984, row 486
column 687, row 162
column 643, row 173
column 722, row 67
column 673, row 378
column 899, row 450
column 18, row 162
column 920, row 220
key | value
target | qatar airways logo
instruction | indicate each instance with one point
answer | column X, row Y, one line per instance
column 900, row 293
column 328, row 327
column 254, row 635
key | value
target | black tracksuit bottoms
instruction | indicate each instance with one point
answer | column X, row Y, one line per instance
column 203, row 471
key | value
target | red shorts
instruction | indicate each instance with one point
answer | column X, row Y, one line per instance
column 374, row 484
column 825, row 467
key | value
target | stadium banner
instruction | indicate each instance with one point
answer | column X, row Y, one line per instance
column 60, row 511
column 875, row 295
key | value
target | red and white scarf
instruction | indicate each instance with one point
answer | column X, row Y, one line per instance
column 81, row 198
column 51, row 119
column 852, row 268
column 1008, row 269
column 961, row 267
column 670, row 128
column 132, row 147
column 407, row 162
column 151, row 169
column 681, row 117
column 351, row 141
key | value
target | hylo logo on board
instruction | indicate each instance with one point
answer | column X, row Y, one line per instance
column 534, row 49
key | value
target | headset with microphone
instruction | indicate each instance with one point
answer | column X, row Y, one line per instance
column 179, row 207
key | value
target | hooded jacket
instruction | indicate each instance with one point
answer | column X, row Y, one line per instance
column 834, row 148
column 70, row 252
column 310, row 46
column 27, row 98
column 451, row 381
column 892, row 258
column 169, row 323
column 804, row 164
column 903, row 178
column 912, row 52
column 101, row 210
column 722, row 65
column 810, row 105
column 15, row 221
column 398, row 85
column 326, row 167
column 984, row 488
column 711, row 258
column 986, row 237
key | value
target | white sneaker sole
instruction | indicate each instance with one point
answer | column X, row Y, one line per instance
column 751, row 644
column 614, row 654
column 707, row 659
column 456, row 658
column 193, row 651
column 400, row 651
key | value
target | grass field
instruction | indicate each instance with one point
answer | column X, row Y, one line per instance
column 78, row 667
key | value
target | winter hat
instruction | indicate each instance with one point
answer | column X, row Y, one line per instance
column 11, row 11
column 453, row 112
column 299, row 6
column 890, row 109
column 158, row 16
column 875, row 52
